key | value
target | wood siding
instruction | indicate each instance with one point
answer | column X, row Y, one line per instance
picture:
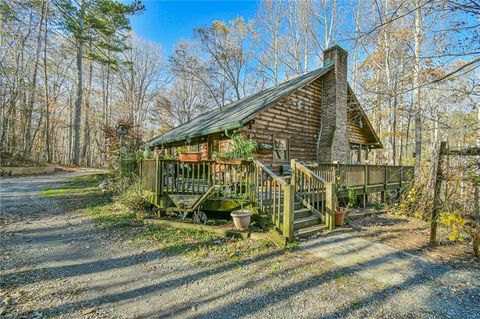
column 300, row 126
column 357, row 134
column 284, row 120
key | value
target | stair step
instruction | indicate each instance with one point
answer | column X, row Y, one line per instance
column 304, row 232
column 306, row 221
column 298, row 205
column 302, row 212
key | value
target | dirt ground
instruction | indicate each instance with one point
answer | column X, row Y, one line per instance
column 412, row 235
column 57, row 263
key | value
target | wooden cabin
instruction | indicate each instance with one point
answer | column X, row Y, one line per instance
column 312, row 126
column 315, row 117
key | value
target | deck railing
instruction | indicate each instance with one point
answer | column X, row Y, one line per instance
column 274, row 196
column 171, row 177
column 315, row 185
column 362, row 175
column 315, row 192
column 309, row 187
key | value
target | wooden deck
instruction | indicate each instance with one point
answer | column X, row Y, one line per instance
column 307, row 198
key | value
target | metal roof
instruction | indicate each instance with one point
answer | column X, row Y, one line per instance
column 233, row 115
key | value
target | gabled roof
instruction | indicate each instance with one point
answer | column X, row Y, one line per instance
column 233, row 115
column 372, row 135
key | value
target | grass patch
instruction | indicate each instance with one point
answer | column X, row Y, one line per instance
column 342, row 278
column 112, row 216
column 195, row 245
column 87, row 180
column 77, row 185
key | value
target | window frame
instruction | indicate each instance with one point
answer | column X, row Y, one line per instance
column 287, row 149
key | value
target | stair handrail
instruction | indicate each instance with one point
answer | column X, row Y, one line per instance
column 278, row 196
column 309, row 172
column 269, row 172
column 312, row 199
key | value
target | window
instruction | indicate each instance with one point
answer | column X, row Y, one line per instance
column 280, row 149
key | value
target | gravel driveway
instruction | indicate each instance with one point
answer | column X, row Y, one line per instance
column 56, row 263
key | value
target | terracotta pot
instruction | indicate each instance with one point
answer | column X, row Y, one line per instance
column 241, row 218
column 340, row 216
column 190, row 156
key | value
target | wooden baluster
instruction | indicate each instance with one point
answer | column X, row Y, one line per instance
column 203, row 177
column 262, row 193
column 175, row 178
column 193, row 177
column 269, row 192
column 275, row 196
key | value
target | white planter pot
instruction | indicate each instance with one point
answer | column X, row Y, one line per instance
column 241, row 218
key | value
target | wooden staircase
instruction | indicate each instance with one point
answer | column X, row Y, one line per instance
column 296, row 206
column 305, row 221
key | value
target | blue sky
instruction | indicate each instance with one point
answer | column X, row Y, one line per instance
column 166, row 22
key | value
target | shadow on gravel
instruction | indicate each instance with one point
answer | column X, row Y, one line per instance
column 426, row 274
column 157, row 288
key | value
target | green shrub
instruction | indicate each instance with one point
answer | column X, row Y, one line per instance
column 135, row 198
column 182, row 150
column 242, row 148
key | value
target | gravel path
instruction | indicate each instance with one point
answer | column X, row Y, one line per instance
column 56, row 263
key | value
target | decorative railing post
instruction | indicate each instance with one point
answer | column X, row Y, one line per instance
column 288, row 210
column 330, row 204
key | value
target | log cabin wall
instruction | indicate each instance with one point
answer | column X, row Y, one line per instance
column 300, row 126
column 356, row 126
column 284, row 119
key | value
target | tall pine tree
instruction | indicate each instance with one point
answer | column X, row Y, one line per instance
column 97, row 28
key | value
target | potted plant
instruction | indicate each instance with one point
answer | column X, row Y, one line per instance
column 241, row 217
column 243, row 149
column 340, row 215
column 186, row 155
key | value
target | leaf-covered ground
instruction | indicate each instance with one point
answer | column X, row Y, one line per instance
column 80, row 256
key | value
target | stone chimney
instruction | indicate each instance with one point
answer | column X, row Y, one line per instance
column 333, row 139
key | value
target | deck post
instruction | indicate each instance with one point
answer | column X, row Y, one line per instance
column 157, row 180
column 384, row 185
column 330, row 204
column 365, row 185
column 288, row 210
column 293, row 167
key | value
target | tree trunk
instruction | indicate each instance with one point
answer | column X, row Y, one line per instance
column 28, row 142
column 86, row 131
column 47, row 102
column 78, row 102
column 417, row 99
